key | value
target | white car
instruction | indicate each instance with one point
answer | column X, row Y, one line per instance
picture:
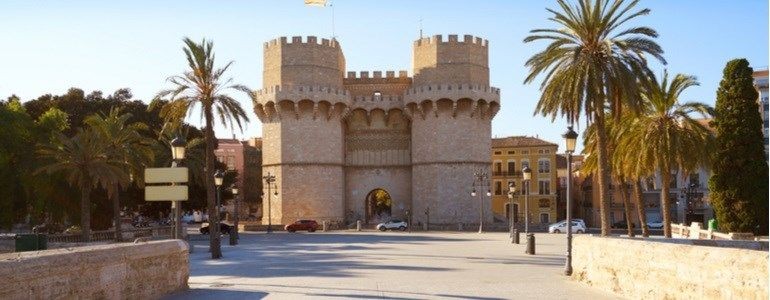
column 392, row 225
column 577, row 227
column 655, row 224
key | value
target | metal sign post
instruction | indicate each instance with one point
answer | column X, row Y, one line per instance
column 167, row 190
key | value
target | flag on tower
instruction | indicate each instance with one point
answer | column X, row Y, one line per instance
column 321, row 3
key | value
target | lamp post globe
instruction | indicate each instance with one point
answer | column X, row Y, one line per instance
column 219, row 178
column 570, row 138
column 526, row 173
column 473, row 193
column 178, row 147
column 489, row 193
column 234, row 189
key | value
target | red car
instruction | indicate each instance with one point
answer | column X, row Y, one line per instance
column 308, row 225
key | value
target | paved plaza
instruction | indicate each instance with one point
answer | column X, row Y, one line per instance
column 383, row 265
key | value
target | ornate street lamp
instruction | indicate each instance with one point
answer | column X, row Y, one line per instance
column 479, row 179
column 270, row 181
column 526, row 175
column 219, row 178
column 570, row 138
column 234, row 235
column 511, row 193
column 178, row 145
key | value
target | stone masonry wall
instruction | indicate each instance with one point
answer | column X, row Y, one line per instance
column 117, row 271
column 639, row 269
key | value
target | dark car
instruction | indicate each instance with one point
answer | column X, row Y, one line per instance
column 308, row 225
column 622, row 225
column 223, row 228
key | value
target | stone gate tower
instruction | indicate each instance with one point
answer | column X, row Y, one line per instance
column 333, row 140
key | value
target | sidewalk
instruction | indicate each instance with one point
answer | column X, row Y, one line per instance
column 388, row 265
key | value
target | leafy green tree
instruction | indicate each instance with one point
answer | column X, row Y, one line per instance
column 203, row 85
column 125, row 143
column 86, row 163
column 591, row 65
column 665, row 136
column 18, row 137
column 739, row 181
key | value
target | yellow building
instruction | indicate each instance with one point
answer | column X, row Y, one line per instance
column 509, row 156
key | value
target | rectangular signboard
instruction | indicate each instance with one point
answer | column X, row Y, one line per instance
column 165, row 193
column 165, row 175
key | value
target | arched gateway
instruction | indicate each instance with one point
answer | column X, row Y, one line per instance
column 378, row 206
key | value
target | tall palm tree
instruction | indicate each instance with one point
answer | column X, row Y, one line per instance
column 203, row 85
column 665, row 136
column 86, row 163
column 591, row 64
column 125, row 143
column 618, row 175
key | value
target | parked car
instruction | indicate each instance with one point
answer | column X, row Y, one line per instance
column 577, row 227
column 622, row 225
column 309, row 225
column 392, row 225
column 583, row 223
column 655, row 224
column 223, row 228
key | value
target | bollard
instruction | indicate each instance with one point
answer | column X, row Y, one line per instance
column 325, row 226
column 459, row 226
column 530, row 244
column 233, row 236
column 358, row 225
column 515, row 236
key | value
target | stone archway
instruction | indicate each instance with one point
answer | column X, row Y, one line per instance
column 378, row 206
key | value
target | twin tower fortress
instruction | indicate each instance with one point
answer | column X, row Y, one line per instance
column 336, row 141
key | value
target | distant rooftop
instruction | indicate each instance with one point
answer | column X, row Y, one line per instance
column 520, row 141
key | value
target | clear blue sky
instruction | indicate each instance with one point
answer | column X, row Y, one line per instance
column 49, row 46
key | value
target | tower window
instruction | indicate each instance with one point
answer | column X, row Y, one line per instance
column 377, row 95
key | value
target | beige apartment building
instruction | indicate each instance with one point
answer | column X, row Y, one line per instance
column 509, row 156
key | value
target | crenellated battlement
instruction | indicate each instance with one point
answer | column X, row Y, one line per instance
column 440, row 88
column 299, row 40
column 452, row 39
column 376, row 75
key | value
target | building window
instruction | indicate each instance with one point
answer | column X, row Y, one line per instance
column 498, row 167
column 547, row 151
column 230, row 162
column 511, row 166
column 695, row 179
column 498, row 152
column 525, row 152
column 539, row 151
column 544, row 203
column 498, row 188
column 544, row 187
column 377, row 96
column 511, row 152
column 649, row 183
column 672, row 184
column 543, row 166
column 545, row 218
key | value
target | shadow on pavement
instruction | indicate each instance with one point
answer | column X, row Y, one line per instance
column 216, row 294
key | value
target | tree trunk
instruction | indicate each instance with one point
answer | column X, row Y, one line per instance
column 211, row 193
column 665, row 201
column 640, row 208
column 603, row 172
column 85, row 213
column 116, row 214
column 626, row 206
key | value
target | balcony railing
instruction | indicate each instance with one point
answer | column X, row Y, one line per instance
column 506, row 173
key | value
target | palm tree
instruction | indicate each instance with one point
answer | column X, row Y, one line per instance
column 665, row 136
column 126, row 144
column 86, row 163
column 203, row 85
column 591, row 164
column 591, row 65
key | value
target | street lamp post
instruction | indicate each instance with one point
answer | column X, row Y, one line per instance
column 480, row 180
column 219, row 178
column 269, row 179
column 689, row 193
column 526, row 175
column 570, row 137
column 234, row 235
column 177, row 155
column 511, row 192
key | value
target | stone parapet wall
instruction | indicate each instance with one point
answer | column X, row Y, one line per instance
column 118, row 271
column 647, row 269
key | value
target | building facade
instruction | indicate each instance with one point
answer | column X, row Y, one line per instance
column 346, row 146
column 509, row 156
column 244, row 158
